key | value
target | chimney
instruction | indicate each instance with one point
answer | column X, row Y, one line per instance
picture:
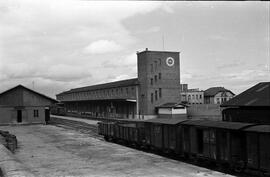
column 146, row 49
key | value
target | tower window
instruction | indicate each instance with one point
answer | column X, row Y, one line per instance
column 151, row 81
column 156, row 94
column 155, row 78
column 159, row 75
column 160, row 93
column 152, row 97
column 155, row 65
column 151, row 68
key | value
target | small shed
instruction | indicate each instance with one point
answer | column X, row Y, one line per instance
column 172, row 110
column 21, row 105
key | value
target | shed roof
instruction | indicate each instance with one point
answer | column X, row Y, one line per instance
column 122, row 83
column 217, row 124
column 170, row 121
column 23, row 87
column 214, row 90
column 258, row 95
column 171, row 105
column 259, row 128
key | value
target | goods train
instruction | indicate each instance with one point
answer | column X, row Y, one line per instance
column 242, row 147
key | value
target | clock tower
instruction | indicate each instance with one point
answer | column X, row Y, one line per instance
column 159, row 79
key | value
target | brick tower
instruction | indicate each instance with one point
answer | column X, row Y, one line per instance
column 159, row 79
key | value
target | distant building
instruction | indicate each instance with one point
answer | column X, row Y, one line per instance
column 158, row 83
column 217, row 95
column 191, row 96
column 23, row 105
column 251, row 106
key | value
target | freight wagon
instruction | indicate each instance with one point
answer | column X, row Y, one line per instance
column 230, row 145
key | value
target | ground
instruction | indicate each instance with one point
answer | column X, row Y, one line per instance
column 55, row 151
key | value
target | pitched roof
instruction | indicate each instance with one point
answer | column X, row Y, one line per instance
column 171, row 105
column 122, row 83
column 21, row 86
column 258, row 95
column 214, row 90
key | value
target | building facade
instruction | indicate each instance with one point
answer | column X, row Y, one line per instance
column 21, row 105
column 217, row 95
column 191, row 96
column 158, row 83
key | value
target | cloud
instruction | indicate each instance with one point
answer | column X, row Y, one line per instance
column 50, row 41
column 102, row 46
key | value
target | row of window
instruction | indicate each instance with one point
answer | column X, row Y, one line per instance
column 156, row 77
column 158, row 93
column 193, row 97
column 100, row 93
column 36, row 113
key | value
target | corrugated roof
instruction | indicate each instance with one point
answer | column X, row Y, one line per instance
column 214, row 90
column 259, row 128
column 170, row 121
column 217, row 124
column 122, row 83
column 258, row 95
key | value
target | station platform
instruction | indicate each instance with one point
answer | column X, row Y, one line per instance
column 92, row 122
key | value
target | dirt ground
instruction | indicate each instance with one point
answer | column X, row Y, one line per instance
column 54, row 151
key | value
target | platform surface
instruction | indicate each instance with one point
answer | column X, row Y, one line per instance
column 49, row 150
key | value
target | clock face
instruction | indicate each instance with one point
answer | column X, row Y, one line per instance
column 170, row 61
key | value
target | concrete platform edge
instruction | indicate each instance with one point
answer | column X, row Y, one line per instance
column 11, row 166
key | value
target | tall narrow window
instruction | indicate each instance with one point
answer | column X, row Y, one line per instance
column 152, row 97
column 155, row 78
column 127, row 90
column 156, row 95
column 159, row 75
column 160, row 92
column 155, row 65
column 151, row 81
column 152, row 70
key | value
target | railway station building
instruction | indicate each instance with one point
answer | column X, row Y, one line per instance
column 158, row 83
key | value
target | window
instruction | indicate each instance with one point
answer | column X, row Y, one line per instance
column 159, row 62
column 159, row 75
column 152, row 97
column 156, row 95
column 155, row 65
column 127, row 90
column 35, row 113
column 155, row 78
column 200, row 96
column 193, row 97
column 197, row 97
column 151, row 67
column 160, row 93
column 151, row 81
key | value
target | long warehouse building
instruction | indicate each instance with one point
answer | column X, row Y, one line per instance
column 158, row 84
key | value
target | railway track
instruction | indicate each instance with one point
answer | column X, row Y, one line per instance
column 82, row 127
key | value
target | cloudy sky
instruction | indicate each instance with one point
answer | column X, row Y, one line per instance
column 59, row 45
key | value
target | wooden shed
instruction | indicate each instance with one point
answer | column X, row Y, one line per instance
column 21, row 105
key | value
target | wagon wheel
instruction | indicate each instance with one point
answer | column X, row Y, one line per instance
column 239, row 166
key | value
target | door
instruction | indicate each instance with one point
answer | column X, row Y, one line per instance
column 19, row 116
column 47, row 115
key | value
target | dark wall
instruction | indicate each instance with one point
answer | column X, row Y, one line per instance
column 247, row 114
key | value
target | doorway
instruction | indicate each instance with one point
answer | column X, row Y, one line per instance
column 47, row 115
column 19, row 116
